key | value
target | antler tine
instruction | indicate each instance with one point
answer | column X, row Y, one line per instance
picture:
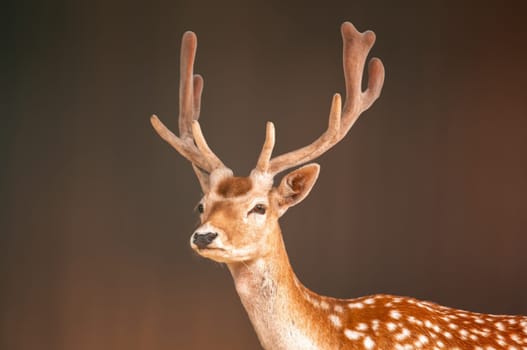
column 198, row 89
column 355, row 51
column 191, row 144
column 189, row 44
column 267, row 149
column 203, row 147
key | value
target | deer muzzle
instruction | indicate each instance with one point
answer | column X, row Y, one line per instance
column 202, row 240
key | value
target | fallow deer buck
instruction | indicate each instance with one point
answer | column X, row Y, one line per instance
column 239, row 227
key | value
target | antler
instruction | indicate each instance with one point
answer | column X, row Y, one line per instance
column 191, row 143
column 356, row 48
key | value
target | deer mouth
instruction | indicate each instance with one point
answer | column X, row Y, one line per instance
column 210, row 249
column 207, row 249
column 220, row 255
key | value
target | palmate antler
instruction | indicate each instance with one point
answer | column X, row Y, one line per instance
column 192, row 145
column 356, row 48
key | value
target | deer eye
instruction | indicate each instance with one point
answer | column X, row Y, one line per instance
column 258, row 209
column 201, row 209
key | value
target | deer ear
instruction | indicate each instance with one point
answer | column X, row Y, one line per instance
column 296, row 185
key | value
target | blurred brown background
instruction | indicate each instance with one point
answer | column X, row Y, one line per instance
column 426, row 197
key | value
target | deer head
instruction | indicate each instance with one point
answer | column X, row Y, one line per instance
column 239, row 215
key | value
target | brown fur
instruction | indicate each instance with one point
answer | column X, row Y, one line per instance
column 234, row 186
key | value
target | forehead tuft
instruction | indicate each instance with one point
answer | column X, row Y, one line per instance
column 234, row 186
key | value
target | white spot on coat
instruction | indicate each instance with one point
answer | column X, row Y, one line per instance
column 355, row 305
column 353, row 335
column 335, row 320
column 395, row 314
column 391, row 326
column 368, row 343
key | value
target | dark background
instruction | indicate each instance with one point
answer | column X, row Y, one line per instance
column 426, row 197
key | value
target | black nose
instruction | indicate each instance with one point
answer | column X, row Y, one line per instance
column 204, row 239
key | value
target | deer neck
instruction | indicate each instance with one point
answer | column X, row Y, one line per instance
column 280, row 308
